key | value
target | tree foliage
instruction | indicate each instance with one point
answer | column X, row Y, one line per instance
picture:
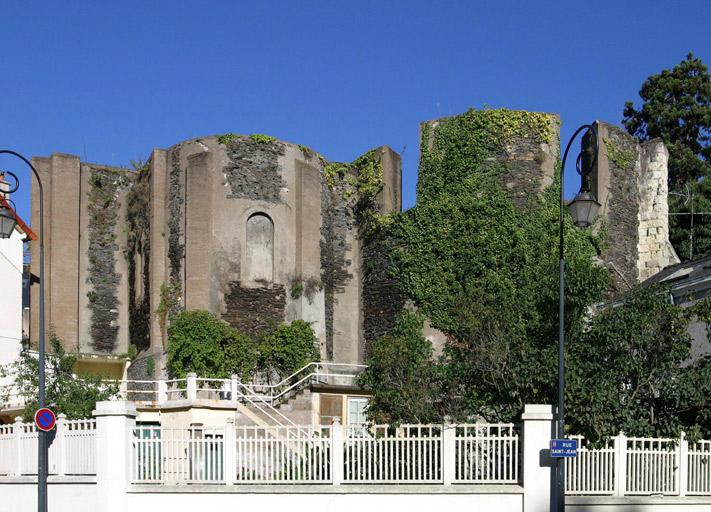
column 676, row 106
column 630, row 371
column 199, row 342
column 66, row 393
column 287, row 349
column 485, row 271
column 403, row 376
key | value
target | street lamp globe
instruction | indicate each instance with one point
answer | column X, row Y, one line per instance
column 7, row 221
column 583, row 209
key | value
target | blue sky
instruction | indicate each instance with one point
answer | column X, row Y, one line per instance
column 110, row 81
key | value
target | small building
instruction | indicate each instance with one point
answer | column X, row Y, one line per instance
column 689, row 283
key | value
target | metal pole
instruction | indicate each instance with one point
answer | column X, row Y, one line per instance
column 560, row 467
column 42, row 452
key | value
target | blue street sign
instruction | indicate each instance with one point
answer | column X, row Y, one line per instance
column 564, row 447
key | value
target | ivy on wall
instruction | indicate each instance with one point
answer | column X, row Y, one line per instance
column 138, row 249
column 347, row 204
column 176, row 245
column 480, row 261
column 103, row 206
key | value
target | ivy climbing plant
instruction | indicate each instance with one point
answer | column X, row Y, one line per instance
column 103, row 208
column 485, row 270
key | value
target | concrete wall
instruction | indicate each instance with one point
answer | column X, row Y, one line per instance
column 10, row 300
column 75, row 494
column 80, row 495
column 66, row 187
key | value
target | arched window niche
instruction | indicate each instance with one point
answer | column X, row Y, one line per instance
column 260, row 248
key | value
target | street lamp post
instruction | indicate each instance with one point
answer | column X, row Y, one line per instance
column 42, row 452
column 583, row 210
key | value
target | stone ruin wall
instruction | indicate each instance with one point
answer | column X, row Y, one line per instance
column 198, row 195
column 630, row 182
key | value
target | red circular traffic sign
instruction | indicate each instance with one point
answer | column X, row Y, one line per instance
column 45, row 419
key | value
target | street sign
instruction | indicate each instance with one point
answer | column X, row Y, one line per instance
column 564, row 447
column 45, row 419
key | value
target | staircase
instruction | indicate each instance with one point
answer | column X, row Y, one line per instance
column 286, row 403
column 297, row 409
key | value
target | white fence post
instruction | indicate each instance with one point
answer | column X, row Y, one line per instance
column 162, row 392
column 17, row 432
column 192, row 386
column 229, row 442
column 449, row 465
column 234, row 384
column 537, row 432
column 61, row 449
column 682, row 476
column 115, row 423
column 336, row 452
column 620, row 444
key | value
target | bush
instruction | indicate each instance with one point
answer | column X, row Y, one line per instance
column 65, row 393
column 402, row 376
column 201, row 343
column 287, row 348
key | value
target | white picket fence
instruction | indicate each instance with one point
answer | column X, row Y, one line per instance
column 628, row 466
column 378, row 454
column 71, row 449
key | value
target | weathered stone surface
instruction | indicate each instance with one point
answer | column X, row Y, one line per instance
column 253, row 170
column 186, row 228
column 630, row 183
column 254, row 310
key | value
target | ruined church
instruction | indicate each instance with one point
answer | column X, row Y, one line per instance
column 260, row 231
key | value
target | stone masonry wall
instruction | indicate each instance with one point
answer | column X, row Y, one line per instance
column 630, row 182
column 254, row 310
column 654, row 249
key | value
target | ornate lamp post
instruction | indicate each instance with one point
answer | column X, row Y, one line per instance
column 42, row 452
column 583, row 210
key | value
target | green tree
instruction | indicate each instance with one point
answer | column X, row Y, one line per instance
column 676, row 106
column 630, row 371
column 404, row 379
column 199, row 342
column 65, row 392
column 287, row 349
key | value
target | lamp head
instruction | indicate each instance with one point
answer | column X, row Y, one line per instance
column 7, row 221
column 583, row 209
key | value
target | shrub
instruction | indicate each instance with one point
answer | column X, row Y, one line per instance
column 287, row 348
column 201, row 343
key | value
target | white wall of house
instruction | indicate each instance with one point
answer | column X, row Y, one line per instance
column 10, row 298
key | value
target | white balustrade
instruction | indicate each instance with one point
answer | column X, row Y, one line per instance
column 336, row 454
column 699, row 468
column 486, row 453
column 383, row 454
column 71, row 448
column 592, row 471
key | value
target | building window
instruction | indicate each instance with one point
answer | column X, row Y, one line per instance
column 356, row 411
column 260, row 249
